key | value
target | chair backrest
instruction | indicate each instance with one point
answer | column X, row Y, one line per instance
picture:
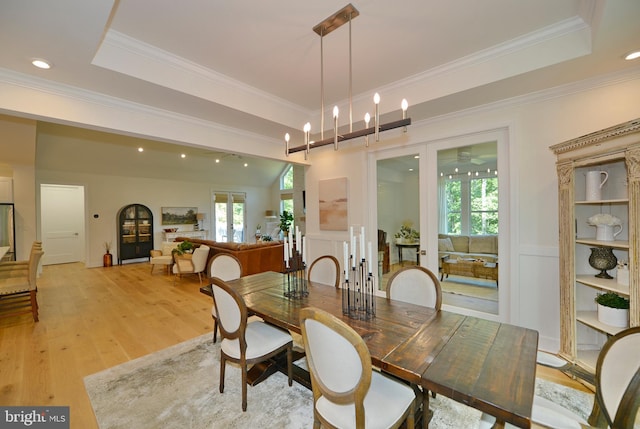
column 167, row 247
column 225, row 266
column 231, row 312
column 416, row 285
column 34, row 261
column 325, row 270
column 338, row 359
column 199, row 258
column 617, row 371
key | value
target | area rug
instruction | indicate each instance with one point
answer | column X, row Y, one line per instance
column 178, row 388
column 476, row 288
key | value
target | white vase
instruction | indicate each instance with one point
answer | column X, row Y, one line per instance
column 617, row 317
column 594, row 182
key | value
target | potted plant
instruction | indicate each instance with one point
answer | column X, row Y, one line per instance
column 286, row 219
column 107, row 259
column 184, row 247
column 266, row 238
column 613, row 309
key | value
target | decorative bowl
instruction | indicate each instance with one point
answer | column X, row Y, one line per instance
column 170, row 229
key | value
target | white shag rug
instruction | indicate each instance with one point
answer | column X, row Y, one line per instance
column 178, row 388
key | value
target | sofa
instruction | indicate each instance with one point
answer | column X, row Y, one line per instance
column 484, row 247
column 254, row 257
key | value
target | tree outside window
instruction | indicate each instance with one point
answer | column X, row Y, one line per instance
column 471, row 206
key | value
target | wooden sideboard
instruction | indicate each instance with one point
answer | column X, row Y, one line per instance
column 171, row 236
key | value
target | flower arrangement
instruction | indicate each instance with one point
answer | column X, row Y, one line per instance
column 407, row 232
column 107, row 246
column 604, row 219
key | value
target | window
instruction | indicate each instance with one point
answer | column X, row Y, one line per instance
column 286, row 190
column 471, row 206
column 229, row 216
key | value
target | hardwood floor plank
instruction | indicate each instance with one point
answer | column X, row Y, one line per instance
column 93, row 319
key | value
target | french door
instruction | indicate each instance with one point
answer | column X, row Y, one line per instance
column 229, row 216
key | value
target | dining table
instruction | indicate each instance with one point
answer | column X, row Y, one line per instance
column 485, row 364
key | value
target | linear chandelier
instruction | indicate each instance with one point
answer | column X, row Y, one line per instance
column 335, row 21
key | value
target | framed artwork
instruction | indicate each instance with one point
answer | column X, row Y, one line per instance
column 333, row 204
column 179, row 215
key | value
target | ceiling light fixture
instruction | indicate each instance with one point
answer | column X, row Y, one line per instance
column 41, row 64
column 140, row 149
column 632, row 55
column 335, row 21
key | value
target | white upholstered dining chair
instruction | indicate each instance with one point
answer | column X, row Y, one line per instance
column 617, row 397
column 227, row 267
column 245, row 343
column 347, row 393
column 416, row 285
column 195, row 263
column 325, row 270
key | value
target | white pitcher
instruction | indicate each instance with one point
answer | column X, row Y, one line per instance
column 594, row 184
column 605, row 232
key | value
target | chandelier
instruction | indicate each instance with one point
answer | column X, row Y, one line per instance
column 335, row 21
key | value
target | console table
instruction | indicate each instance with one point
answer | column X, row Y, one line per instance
column 171, row 236
column 402, row 246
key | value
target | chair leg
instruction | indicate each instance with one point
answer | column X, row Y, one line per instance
column 289, row 362
column 34, row 305
column 244, row 387
column 223, row 363
column 215, row 329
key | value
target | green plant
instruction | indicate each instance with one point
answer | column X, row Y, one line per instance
column 266, row 238
column 613, row 300
column 407, row 232
column 182, row 248
column 286, row 219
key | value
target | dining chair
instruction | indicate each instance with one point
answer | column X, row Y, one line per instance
column 416, row 285
column 19, row 283
column 325, row 270
column 227, row 267
column 617, row 396
column 195, row 263
column 347, row 393
column 245, row 343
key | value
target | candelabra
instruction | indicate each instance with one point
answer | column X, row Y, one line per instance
column 295, row 281
column 358, row 291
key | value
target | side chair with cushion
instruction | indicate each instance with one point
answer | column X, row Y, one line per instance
column 617, row 397
column 416, row 285
column 325, row 270
column 347, row 393
column 195, row 263
column 163, row 257
column 245, row 343
column 18, row 288
column 226, row 267
column 10, row 265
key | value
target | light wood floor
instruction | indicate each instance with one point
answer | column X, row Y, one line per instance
column 93, row 319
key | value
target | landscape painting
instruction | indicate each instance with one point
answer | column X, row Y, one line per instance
column 333, row 203
column 179, row 215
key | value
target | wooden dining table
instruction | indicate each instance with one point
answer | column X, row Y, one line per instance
column 484, row 364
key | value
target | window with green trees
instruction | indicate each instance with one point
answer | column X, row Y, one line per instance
column 471, row 206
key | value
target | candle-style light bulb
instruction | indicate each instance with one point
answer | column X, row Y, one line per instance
column 405, row 106
column 286, row 144
column 335, row 127
column 367, row 119
column 376, row 123
column 307, row 128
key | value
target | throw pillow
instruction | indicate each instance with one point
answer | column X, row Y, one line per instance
column 445, row 245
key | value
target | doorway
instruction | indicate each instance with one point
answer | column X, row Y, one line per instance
column 62, row 217
column 229, row 216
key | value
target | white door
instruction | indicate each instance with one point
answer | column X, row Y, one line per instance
column 62, row 222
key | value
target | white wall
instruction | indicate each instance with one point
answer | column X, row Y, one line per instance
column 534, row 123
column 106, row 195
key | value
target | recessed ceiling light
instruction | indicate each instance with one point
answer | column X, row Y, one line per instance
column 41, row 64
column 140, row 149
column 217, row 161
column 632, row 55
column 246, row 165
column 183, row 156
